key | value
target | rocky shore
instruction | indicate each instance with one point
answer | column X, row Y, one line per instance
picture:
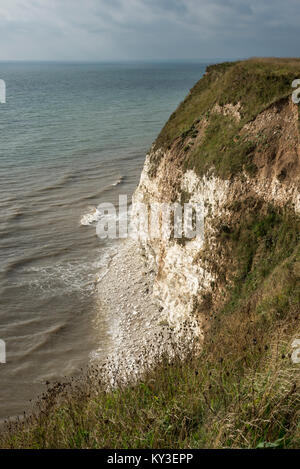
column 139, row 331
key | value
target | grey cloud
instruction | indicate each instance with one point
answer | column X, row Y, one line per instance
column 147, row 29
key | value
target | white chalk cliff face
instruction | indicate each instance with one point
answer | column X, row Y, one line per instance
column 181, row 279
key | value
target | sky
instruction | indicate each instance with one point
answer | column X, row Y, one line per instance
column 113, row 30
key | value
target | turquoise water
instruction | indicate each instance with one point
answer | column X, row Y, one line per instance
column 72, row 136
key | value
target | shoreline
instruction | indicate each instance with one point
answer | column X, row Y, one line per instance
column 139, row 330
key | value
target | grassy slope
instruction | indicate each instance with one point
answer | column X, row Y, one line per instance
column 255, row 85
column 243, row 389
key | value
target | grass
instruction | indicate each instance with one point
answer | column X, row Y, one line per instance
column 192, row 404
column 254, row 84
column 222, row 138
column 242, row 391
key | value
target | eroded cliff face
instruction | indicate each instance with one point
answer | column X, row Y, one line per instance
column 193, row 276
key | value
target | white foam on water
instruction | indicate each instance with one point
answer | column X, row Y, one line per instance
column 93, row 215
column 70, row 277
column 121, row 178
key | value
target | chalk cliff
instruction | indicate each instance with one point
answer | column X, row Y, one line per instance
column 233, row 147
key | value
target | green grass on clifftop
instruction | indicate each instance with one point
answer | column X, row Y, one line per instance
column 242, row 390
column 253, row 85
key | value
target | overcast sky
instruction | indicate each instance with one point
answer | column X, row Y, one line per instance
column 147, row 29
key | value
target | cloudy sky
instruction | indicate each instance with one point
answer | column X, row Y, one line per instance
column 147, row 29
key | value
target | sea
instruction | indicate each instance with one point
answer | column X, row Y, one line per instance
column 73, row 136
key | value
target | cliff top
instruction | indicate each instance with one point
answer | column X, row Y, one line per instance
column 255, row 84
column 201, row 138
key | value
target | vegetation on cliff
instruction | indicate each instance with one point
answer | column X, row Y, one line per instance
column 242, row 390
column 241, row 91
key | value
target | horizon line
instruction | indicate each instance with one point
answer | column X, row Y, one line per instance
column 192, row 60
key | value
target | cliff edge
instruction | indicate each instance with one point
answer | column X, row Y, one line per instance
column 233, row 147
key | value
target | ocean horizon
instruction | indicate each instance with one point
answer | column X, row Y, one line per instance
column 74, row 135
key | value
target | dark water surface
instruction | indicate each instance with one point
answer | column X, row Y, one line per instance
column 72, row 136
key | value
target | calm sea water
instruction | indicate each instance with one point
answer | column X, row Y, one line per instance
column 72, row 136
